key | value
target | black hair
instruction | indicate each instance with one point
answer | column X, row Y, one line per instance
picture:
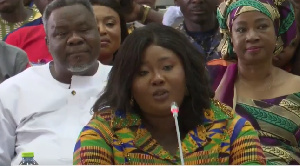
column 117, row 93
column 56, row 4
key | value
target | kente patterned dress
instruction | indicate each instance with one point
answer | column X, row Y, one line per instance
column 278, row 124
column 277, row 120
column 114, row 137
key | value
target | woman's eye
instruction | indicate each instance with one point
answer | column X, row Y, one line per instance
column 143, row 73
column 168, row 67
column 61, row 34
column 110, row 24
column 83, row 30
column 264, row 26
column 241, row 30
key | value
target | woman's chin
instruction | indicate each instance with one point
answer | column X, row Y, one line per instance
column 106, row 58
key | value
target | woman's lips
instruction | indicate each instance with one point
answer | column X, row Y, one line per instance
column 104, row 43
column 160, row 95
column 253, row 49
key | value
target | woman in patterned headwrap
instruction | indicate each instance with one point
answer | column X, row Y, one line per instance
column 255, row 31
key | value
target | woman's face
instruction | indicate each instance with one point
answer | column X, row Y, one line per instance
column 159, row 82
column 296, row 3
column 283, row 59
column 110, row 32
column 253, row 37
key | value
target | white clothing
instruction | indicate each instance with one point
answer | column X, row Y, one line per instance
column 41, row 115
column 173, row 16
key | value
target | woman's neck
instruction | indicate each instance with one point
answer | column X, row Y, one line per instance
column 255, row 73
column 255, row 81
column 106, row 59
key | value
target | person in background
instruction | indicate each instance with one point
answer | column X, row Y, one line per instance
column 296, row 62
column 133, row 124
column 201, row 26
column 150, row 3
column 296, row 3
column 31, row 38
column 37, row 21
column 173, row 16
column 14, row 15
column 296, row 58
column 140, row 13
column 112, row 28
column 267, row 96
column 145, row 5
column 12, row 61
column 288, row 56
column 48, row 105
column 28, row 3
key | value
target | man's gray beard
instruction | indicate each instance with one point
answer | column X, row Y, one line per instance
column 79, row 68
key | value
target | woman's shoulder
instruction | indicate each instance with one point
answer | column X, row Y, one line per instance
column 288, row 82
column 103, row 116
column 220, row 112
column 235, row 124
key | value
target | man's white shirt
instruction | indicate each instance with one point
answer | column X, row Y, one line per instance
column 41, row 115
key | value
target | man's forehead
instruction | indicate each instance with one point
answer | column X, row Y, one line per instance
column 72, row 16
column 70, row 12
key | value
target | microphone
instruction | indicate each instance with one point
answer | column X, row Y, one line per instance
column 175, row 110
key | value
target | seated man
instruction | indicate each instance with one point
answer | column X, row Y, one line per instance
column 48, row 105
column 200, row 25
column 14, row 15
column 12, row 61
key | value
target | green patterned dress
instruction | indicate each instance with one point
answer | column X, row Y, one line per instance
column 278, row 124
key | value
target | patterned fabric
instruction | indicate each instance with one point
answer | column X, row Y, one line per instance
column 276, row 120
column 35, row 22
column 118, row 138
column 7, row 27
column 207, row 46
column 279, row 11
column 278, row 124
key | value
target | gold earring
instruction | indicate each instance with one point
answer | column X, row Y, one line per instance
column 187, row 93
column 131, row 101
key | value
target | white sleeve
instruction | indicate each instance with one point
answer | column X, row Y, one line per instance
column 7, row 136
column 172, row 14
